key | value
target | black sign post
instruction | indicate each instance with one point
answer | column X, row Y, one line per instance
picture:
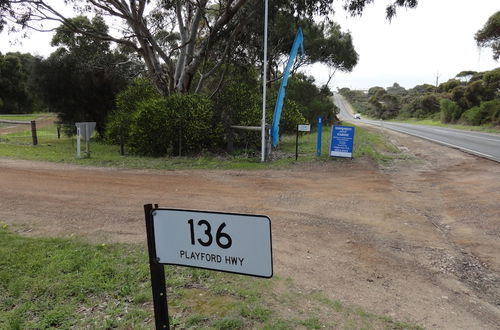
column 297, row 144
column 241, row 244
column 158, row 285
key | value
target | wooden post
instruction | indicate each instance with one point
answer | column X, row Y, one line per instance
column 33, row 133
column 122, row 145
column 180, row 141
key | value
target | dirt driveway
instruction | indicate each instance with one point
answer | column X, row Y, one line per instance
column 419, row 240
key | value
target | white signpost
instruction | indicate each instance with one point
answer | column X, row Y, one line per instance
column 304, row 128
column 300, row 128
column 84, row 130
column 228, row 242
column 235, row 243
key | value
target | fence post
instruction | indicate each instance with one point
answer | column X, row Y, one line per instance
column 122, row 145
column 33, row 133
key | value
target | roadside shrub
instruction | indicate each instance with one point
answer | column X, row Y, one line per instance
column 239, row 104
column 120, row 119
column 178, row 124
column 313, row 101
column 291, row 116
column 450, row 111
column 487, row 112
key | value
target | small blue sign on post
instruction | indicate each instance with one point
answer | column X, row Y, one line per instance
column 342, row 141
column 320, row 129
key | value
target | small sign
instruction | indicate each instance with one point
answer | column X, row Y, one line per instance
column 85, row 129
column 304, row 128
column 235, row 243
column 342, row 141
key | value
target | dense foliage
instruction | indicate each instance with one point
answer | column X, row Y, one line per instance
column 187, row 47
column 470, row 98
column 177, row 39
column 190, row 123
column 127, row 102
column 16, row 92
column 173, row 125
column 81, row 79
column 313, row 101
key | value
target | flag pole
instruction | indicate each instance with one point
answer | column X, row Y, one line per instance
column 264, row 83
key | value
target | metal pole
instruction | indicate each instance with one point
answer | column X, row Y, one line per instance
column 297, row 144
column 158, row 284
column 87, row 139
column 78, row 135
column 320, row 131
column 264, row 83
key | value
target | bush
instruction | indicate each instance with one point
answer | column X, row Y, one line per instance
column 119, row 121
column 169, row 126
column 487, row 112
column 291, row 116
column 239, row 104
column 450, row 111
column 313, row 101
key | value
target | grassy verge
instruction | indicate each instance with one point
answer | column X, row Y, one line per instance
column 33, row 116
column 18, row 145
column 430, row 122
column 65, row 283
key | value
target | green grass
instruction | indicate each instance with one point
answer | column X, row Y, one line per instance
column 430, row 122
column 66, row 283
column 26, row 117
column 18, row 145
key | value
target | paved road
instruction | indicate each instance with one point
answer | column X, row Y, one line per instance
column 481, row 144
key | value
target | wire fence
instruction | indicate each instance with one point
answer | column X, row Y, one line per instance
column 26, row 132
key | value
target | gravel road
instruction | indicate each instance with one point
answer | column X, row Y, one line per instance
column 417, row 240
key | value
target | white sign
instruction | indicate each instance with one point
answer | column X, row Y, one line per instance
column 304, row 128
column 236, row 243
column 86, row 129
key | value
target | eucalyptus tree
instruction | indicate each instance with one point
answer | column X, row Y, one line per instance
column 81, row 79
column 15, row 93
column 489, row 35
column 178, row 40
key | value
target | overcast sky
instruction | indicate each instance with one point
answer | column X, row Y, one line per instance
column 436, row 38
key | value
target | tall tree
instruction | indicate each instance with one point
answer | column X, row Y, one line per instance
column 15, row 94
column 489, row 35
column 81, row 79
column 175, row 38
column 4, row 7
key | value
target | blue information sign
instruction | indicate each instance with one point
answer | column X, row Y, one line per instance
column 342, row 141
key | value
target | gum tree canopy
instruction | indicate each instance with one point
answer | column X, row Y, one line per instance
column 489, row 35
column 178, row 40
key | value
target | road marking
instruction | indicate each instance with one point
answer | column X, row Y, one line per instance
column 393, row 126
column 491, row 157
column 449, row 130
column 470, row 135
